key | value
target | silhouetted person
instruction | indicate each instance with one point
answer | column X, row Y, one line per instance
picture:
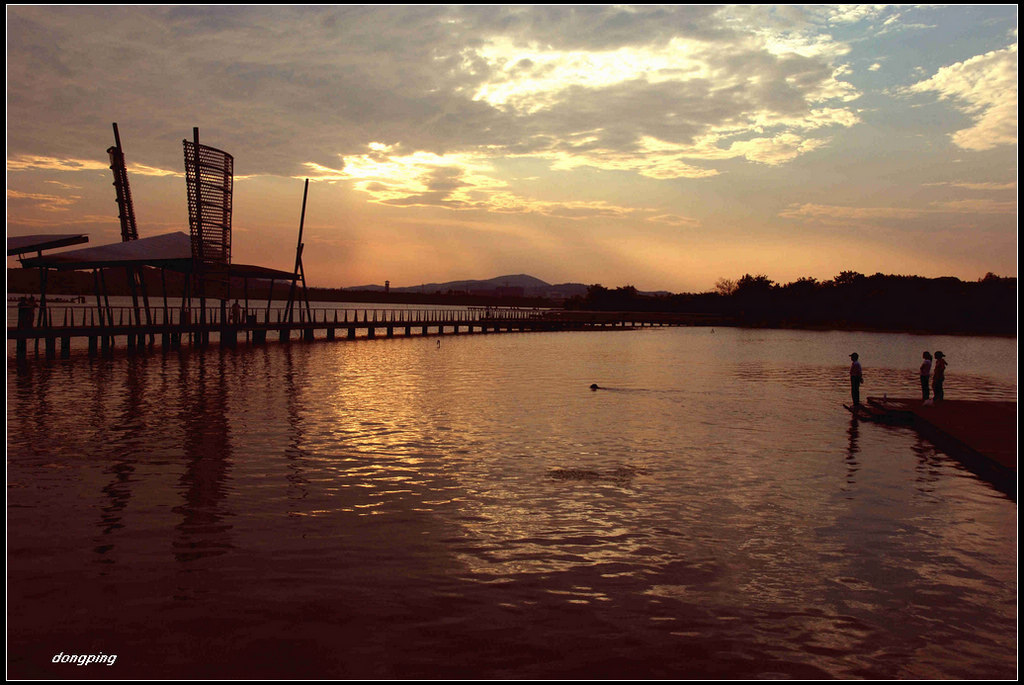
column 26, row 311
column 939, row 377
column 856, row 378
column 236, row 313
column 926, row 369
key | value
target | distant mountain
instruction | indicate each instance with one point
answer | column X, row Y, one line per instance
column 518, row 285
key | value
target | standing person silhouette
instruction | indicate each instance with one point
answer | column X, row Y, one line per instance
column 25, row 313
column 939, row 377
column 926, row 369
column 856, row 378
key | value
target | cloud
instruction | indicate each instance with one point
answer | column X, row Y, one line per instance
column 583, row 122
column 454, row 181
column 777, row 150
column 44, row 202
column 674, row 220
column 844, row 215
column 977, row 206
column 682, row 93
column 39, row 163
column 985, row 88
column 295, row 85
column 42, row 163
column 65, row 186
column 848, row 14
column 1012, row 185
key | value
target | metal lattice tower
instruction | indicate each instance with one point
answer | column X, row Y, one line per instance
column 129, row 229
column 209, row 177
column 126, row 210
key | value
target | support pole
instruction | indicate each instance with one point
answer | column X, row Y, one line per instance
column 299, row 273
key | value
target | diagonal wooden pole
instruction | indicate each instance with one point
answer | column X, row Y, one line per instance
column 298, row 272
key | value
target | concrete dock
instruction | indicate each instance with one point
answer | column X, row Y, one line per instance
column 977, row 428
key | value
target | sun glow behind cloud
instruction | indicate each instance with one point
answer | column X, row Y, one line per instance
column 529, row 80
column 454, row 181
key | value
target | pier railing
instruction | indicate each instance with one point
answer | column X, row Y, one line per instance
column 174, row 325
column 78, row 316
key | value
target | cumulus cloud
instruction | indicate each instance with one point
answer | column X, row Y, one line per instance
column 454, row 181
column 291, row 85
column 985, row 88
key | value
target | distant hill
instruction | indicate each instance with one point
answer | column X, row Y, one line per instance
column 517, row 285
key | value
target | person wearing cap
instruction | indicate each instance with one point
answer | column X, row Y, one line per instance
column 856, row 378
column 926, row 369
column 939, row 377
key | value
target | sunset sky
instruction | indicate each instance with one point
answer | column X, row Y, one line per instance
column 662, row 147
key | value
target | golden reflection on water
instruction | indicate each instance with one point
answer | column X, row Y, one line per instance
column 713, row 493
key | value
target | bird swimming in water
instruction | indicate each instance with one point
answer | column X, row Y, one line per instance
column 595, row 386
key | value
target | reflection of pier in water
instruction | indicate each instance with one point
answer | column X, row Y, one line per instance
column 202, row 531
column 201, row 408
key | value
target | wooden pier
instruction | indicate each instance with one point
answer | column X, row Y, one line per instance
column 106, row 327
column 972, row 428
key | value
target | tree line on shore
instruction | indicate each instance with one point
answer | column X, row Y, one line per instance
column 851, row 300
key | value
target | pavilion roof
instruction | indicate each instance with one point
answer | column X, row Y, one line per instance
column 170, row 251
column 21, row 244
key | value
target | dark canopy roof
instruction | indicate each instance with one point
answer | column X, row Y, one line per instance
column 161, row 250
column 169, row 251
column 37, row 243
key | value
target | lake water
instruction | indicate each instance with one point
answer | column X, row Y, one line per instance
column 406, row 509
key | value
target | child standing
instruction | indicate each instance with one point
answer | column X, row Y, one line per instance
column 926, row 369
column 939, row 377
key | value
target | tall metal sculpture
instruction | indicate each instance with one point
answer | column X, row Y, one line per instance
column 126, row 215
column 209, row 179
column 126, row 210
column 299, row 271
column 209, row 176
